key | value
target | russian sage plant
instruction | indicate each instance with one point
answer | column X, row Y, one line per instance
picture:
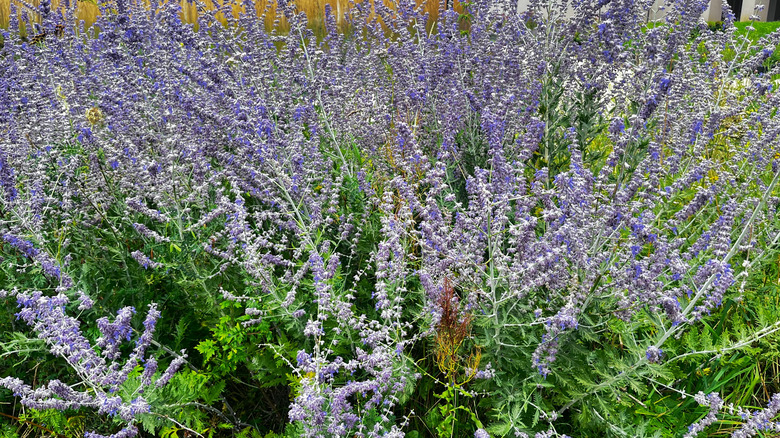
column 501, row 196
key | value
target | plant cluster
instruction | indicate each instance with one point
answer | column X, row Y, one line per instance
column 535, row 223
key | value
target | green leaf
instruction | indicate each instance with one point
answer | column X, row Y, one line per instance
column 207, row 348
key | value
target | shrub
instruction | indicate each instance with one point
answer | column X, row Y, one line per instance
column 509, row 224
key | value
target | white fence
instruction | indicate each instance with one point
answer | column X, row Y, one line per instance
column 765, row 9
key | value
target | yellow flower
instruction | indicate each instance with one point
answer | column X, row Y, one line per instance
column 94, row 115
column 60, row 94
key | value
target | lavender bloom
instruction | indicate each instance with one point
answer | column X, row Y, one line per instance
column 105, row 371
column 128, row 432
column 85, row 302
column 24, row 246
column 171, row 370
column 7, row 179
column 654, row 354
column 150, row 324
column 151, row 234
column 138, row 206
column 45, row 8
column 481, row 433
column 48, row 265
column 715, row 403
column 313, row 328
column 150, row 367
column 548, row 349
column 760, row 420
column 113, row 333
column 145, row 261
column 487, row 373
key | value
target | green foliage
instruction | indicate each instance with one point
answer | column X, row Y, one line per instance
column 7, row 430
column 466, row 16
column 446, row 416
column 183, row 402
column 760, row 29
column 47, row 423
